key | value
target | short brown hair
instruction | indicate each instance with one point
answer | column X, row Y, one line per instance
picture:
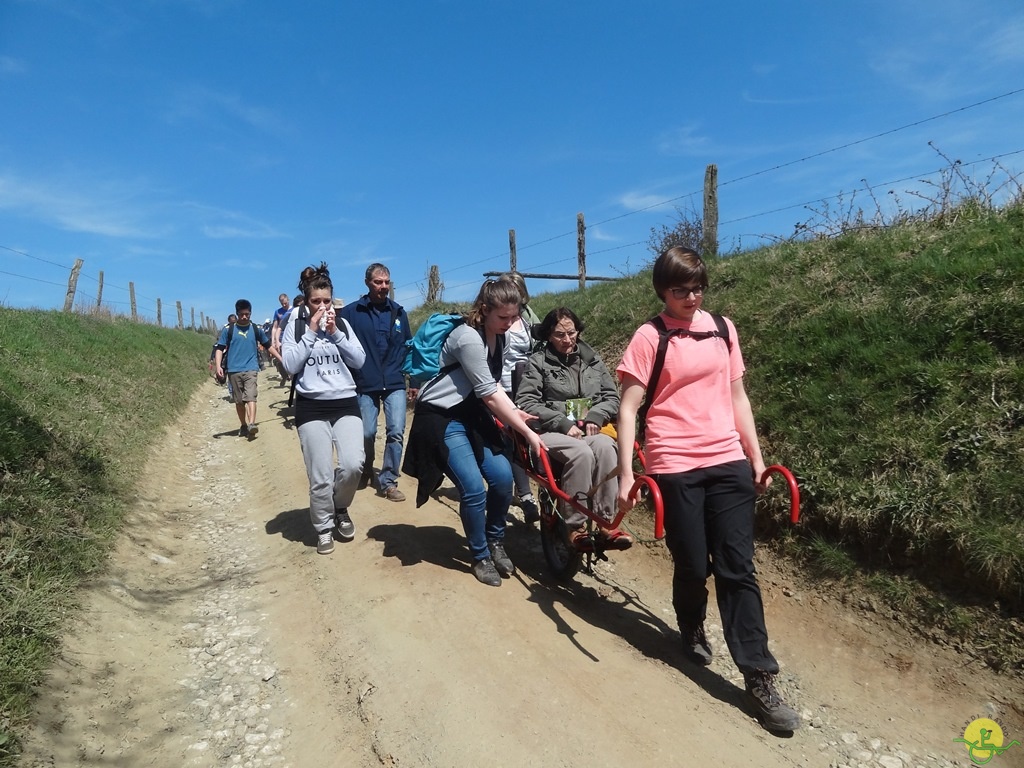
column 677, row 266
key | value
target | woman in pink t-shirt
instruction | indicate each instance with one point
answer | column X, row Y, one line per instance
column 702, row 451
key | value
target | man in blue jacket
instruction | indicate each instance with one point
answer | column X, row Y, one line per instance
column 382, row 327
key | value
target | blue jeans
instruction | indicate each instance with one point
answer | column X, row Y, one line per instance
column 482, row 507
column 394, row 431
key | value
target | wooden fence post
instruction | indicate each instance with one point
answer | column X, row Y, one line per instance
column 131, row 293
column 99, row 292
column 434, row 285
column 710, row 244
column 69, row 297
column 181, row 321
column 512, row 251
column 192, row 318
column 581, row 249
column 159, row 315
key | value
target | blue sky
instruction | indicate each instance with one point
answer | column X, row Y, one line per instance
column 209, row 149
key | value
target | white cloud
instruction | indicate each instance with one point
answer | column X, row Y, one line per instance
column 12, row 66
column 201, row 104
column 643, row 201
column 596, row 233
column 96, row 209
column 220, row 224
column 1006, row 45
column 747, row 97
column 684, row 140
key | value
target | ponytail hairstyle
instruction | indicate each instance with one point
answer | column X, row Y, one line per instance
column 520, row 283
column 315, row 278
column 493, row 293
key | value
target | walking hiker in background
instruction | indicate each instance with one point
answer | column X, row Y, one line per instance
column 453, row 432
column 518, row 346
column 222, row 379
column 239, row 342
column 321, row 358
column 382, row 327
column 702, row 451
column 276, row 327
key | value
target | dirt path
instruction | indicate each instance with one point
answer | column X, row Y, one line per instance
column 220, row 638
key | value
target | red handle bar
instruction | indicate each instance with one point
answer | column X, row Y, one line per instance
column 794, row 491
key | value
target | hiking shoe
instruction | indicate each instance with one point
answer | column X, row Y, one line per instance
column 324, row 543
column 391, row 493
column 346, row 529
column 616, row 538
column 581, row 540
column 486, row 573
column 502, row 564
column 531, row 513
column 695, row 644
column 253, row 429
column 243, row 431
column 364, row 480
column 772, row 711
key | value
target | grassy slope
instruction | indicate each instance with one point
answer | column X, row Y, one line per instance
column 886, row 369
column 81, row 401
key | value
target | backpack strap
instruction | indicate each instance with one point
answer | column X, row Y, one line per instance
column 301, row 321
column 227, row 346
column 664, row 335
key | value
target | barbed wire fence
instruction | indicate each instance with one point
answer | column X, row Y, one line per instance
column 131, row 307
column 819, row 208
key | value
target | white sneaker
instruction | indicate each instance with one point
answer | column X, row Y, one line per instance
column 346, row 529
column 325, row 542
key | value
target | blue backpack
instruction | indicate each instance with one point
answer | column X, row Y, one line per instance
column 423, row 351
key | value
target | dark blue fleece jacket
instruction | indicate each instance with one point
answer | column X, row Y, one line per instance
column 380, row 372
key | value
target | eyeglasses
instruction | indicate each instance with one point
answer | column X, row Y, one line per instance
column 683, row 292
column 565, row 335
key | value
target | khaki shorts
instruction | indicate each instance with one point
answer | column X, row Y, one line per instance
column 243, row 386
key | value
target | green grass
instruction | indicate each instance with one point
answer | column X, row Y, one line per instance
column 886, row 369
column 884, row 365
column 81, row 400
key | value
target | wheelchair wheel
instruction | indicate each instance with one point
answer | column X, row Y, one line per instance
column 563, row 559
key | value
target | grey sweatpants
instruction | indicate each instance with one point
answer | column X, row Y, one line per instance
column 586, row 462
column 331, row 488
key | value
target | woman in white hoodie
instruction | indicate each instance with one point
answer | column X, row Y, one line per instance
column 327, row 414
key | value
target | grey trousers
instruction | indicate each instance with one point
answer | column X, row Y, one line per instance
column 331, row 487
column 585, row 462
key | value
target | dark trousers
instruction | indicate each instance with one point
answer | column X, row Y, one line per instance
column 709, row 529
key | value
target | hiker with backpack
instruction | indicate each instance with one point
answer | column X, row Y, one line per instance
column 568, row 388
column 237, row 361
column 319, row 349
column 454, row 433
column 703, row 452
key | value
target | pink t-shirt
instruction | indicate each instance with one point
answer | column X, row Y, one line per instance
column 690, row 423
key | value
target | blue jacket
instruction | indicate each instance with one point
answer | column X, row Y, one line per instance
column 380, row 372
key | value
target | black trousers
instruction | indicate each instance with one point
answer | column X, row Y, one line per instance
column 709, row 529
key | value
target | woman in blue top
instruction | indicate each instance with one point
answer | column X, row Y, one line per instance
column 453, row 432
column 327, row 413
